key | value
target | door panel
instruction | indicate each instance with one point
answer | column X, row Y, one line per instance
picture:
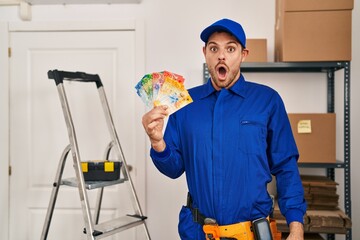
column 38, row 132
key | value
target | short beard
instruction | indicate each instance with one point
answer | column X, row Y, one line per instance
column 231, row 78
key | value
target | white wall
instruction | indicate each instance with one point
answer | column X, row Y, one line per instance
column 172, row 31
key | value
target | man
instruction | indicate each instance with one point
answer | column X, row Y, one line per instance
column 229, row 142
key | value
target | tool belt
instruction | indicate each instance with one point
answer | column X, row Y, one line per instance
column 237, row 231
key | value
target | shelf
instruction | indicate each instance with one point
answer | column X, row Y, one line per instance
column 337, row 164
column 292, row 66
column 316, row 67
column 286, row 67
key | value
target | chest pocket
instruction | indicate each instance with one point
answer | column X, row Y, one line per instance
column 252, row 135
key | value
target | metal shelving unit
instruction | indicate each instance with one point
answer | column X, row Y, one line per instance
column 329, row 68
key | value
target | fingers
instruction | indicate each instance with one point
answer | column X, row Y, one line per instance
column 155, row 114
column 153, row 121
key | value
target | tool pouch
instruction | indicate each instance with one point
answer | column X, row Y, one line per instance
column 211, row 231
column 275, row 233
column 237, row 231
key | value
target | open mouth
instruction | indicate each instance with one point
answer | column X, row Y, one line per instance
column 222, row 72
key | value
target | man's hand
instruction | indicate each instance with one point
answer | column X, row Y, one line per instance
column 153, row 123
column 296, row 231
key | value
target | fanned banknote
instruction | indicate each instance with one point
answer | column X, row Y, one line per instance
column 163, row 88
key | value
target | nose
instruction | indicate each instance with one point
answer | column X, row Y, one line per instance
column 221, row 56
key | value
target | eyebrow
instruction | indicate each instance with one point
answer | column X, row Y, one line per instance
column 230, row 42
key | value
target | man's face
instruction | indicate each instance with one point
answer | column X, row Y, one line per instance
column 223, row 55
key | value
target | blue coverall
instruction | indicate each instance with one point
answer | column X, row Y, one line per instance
column 229, row 143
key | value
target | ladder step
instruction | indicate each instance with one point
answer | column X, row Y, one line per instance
column 117, row 225
column 72, row 182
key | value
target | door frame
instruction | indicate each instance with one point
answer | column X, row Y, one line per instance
column 5, row 29
column 4, row 131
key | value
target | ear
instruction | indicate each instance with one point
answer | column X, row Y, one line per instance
column 204, row 51
column 244, row 54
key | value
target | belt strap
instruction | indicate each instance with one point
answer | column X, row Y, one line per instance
column 197, row 216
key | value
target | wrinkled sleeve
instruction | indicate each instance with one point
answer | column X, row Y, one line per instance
column 169, row 162
column 283, row 156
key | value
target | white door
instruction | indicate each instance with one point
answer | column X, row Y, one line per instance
column 38, row 133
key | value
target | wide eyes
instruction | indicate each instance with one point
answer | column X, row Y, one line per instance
column 213, row 49
column 229, row 49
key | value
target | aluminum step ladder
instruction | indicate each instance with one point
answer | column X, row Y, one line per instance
column 93, row 229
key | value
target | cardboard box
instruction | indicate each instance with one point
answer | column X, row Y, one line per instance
column 257, row 50
column 320, row 192
column 316, row 5
column 318, row 221
column 315, row 136
column 317, row 30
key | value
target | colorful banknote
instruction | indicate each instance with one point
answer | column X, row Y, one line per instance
column 163, row 88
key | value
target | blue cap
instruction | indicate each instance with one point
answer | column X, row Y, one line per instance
column 226, row 25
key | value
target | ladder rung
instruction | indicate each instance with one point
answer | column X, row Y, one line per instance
column 72, row 182
column 117, row 225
